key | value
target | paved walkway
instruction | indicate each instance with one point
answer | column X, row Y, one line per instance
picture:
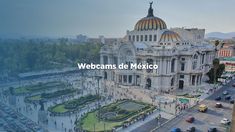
column 148, row 119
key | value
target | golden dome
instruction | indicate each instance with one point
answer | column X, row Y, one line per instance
column 150, row 22
column 170, row 36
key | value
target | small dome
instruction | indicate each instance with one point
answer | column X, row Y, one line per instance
column 150, row 22
column 170, row 36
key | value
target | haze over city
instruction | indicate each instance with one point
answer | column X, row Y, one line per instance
column 110, row 18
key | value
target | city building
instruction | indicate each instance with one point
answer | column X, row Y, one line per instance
column 182, row 56
column 229, row 63
column 227, row 50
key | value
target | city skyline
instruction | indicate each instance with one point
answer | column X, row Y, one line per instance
column 109, row 18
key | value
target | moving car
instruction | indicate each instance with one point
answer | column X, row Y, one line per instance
column 225, row 121
column 190, row 119
column 225, row 92
column 175, row 130
column 203, row 108
column 218, row 105
column 191, row 129
column 218, row 98
column 212, row 129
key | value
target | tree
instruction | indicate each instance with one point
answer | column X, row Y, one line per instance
column 215, row 72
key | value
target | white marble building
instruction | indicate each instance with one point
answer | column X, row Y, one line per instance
column 181, row 54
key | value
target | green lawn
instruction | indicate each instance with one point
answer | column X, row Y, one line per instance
column 131, row 106
column 124, row 111
column 73, row 105
column 91, row 120
column 38, row 87
column 35, row 98
column 21, row 90
column 59, row 109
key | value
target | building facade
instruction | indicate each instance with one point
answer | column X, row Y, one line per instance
column 229, row 63
column 182, row 59
column 228, row 50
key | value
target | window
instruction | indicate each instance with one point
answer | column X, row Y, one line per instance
column 120, row 78
column 182, row 66
column 203, row 57
column 130, row 79
column 133, row 38
column 172, row 81
column 182, row 76
column 195, row 57
column 125, row 78
column 193, row 79
column 146, row 38
column 129, row 37
column 173, row 65
column 149, row 61
column 105, row 59
column 155, row 38
column 115, row 60
column 183, row 59
column 150, row 37
column 137, row 37
column 194, row 65
column 138, row 61
column 105, row 75
column 141, row 38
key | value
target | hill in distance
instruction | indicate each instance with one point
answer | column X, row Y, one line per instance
column 220, row 35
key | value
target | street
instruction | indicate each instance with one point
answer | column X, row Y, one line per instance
column 203, row 121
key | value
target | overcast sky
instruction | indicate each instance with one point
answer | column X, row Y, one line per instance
column 110, row 18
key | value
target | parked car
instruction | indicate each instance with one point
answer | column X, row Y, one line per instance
column 190, row 119
column 218, row 105
column 227, row 97
column 231, row 101
column 225, row 92
column 225, row 121
column 212, row 129
column 202, row 108
column 175, row 130
column 191, row 129
column 218, row 98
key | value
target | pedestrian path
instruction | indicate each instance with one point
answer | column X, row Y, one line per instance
column 148, row 119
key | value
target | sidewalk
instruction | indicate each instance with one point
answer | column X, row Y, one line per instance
column 149, row 118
